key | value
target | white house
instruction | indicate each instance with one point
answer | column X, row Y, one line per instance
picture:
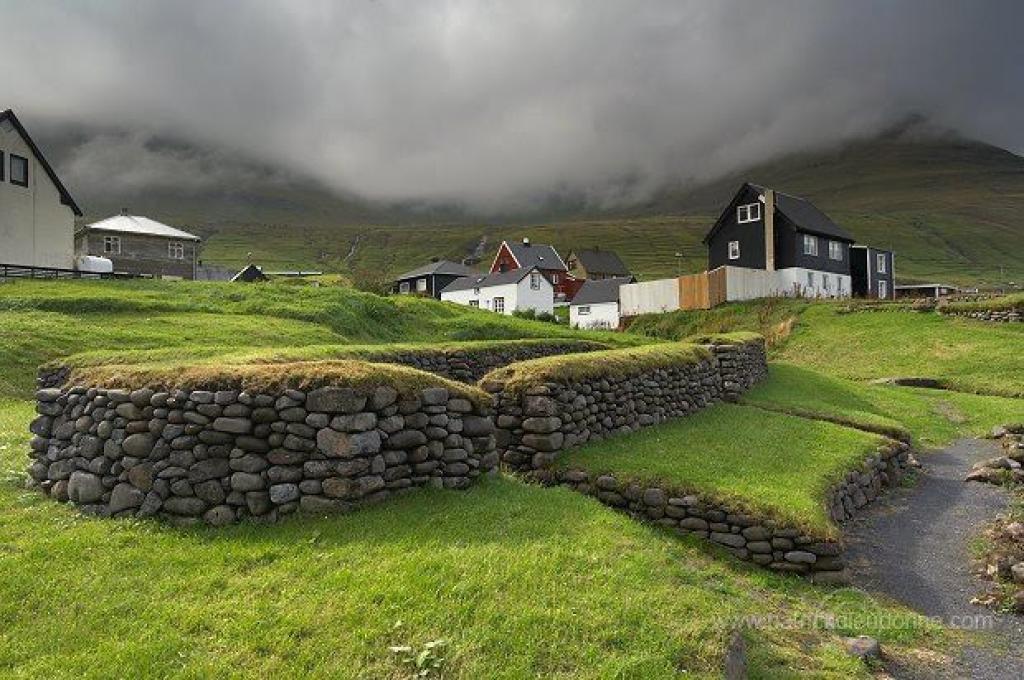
column 504, row 292
column 596, row 304
column 37, row 214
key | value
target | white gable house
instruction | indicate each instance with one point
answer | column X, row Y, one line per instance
column 596, row 305
column 504, row 292
column 37, row 214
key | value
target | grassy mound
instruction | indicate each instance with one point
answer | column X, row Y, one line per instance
column 1005, row 303
column 769, row 463
column 612, row 363
column 518, row 580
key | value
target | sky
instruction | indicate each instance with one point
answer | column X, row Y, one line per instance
column 493, row 104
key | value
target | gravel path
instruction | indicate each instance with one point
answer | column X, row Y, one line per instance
column 913, row 545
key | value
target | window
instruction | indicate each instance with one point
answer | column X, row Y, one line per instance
column 810, row 245
column 554, row 279
column 583, row 310
column 883, row 290
column 111, row 245
column 734, row 250
column 1, row 166
column 421, row 285
column 403, row 287
column 810, row 280
column 534, row 281
column 176, row 250
column 474, row 303
column 19, row 170
column 835, row 250
column 880, row 259
column 476, row 291
column 499, row 305
column 824, row 281
column 748, row 213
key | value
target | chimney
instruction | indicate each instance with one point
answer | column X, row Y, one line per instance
column 769, row 230
column 526, row 241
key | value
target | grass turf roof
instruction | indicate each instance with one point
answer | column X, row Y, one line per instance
column 612, row 363
column 363, row 376
column 275, row 355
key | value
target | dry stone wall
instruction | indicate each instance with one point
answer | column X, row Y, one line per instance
column 537, row 422
column 221, row 456
column 464, row 364
column 763, row 541
column 993, row 315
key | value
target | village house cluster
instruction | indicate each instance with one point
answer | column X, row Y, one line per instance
column 764, row 243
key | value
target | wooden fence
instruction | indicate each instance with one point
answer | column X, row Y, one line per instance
column 704, row 290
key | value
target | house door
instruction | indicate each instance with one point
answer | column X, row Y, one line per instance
column 883, row 290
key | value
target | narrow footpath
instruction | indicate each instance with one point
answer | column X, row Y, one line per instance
column 913, row 545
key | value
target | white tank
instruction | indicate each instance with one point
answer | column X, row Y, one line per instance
column 93, row 264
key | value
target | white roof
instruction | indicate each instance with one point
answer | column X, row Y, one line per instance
column 133, row 224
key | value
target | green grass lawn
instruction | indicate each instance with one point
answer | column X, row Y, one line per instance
column 519, row 580
column 931, row 417
column 972, row 356
column 771, row 463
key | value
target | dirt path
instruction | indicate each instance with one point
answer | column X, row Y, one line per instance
column 914, row 546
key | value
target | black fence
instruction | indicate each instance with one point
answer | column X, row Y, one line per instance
column 21, row 271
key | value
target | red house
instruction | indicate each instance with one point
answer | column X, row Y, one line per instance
column 545, row 258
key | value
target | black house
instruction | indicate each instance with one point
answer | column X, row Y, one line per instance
column 809, row 250
column 431, row 279
column 872, row 271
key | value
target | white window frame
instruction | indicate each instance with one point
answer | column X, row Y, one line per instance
column 880, row 264
column 749, row 212
column 534, row 280
column 474, row 303
column 421, row 285
column 554, row 279
column 111, row 245
column 810, row 280
column 883, row 289
column 499, row 305
column 810, row 245
column 403, row 286
column 734, row 250
column 583, row 310
column 824, row 282
column 176, row 250
column 835, row 251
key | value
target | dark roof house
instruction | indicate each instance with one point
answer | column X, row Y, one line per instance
column 431, row 278
column 487, row 280
column 596, row 264
column 595, row 292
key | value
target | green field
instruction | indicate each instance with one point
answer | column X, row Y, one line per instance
column 517, row 580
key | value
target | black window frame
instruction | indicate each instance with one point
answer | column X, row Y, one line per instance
column 2, row 173
column 13, row 156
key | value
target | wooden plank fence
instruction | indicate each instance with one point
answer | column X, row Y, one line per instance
column 702, row 291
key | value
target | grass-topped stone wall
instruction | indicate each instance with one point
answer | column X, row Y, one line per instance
column 465, row 362
column 255, row 442
column 547, row 405
column 1008, row 309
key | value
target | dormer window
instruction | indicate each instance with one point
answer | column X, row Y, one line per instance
column 750, row 212
column 734, row 250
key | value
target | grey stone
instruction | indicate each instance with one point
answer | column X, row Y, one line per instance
column 354, row 422
column 655, row 497
column 233, row 425
column 125, row 496
column 406, row 439
column 334, row 444
column 335, row 400
column 138, row 445
column 338, row 487
column 184, row 506
column 800, row 557
column 731, row 540
column 84, row 487
column 434, row 396
column 542, row 424
column 258, row 502
column 211, row 468
column 141, row 476
column 210, row 491
column 863, row 647
column 284, row 493
column 219, row 515
column 245, row 481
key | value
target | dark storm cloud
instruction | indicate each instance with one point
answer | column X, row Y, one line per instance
column 493, row 103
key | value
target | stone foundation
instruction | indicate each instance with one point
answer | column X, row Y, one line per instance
column 221, row 456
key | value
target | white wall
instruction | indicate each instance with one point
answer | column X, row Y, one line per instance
column 749, row 284
column 35, row 227
column 649, row 297
column 603, row 315
column 518, row 296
